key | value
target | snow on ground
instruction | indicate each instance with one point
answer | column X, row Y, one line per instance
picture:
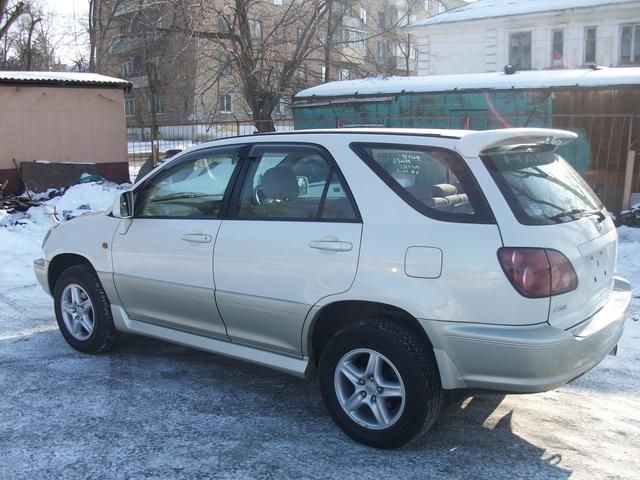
column 154, row 410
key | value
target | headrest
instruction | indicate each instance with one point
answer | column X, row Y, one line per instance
column 443, row 190
column 279, row 183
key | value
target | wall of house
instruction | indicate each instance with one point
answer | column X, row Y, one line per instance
column 62, row 124
column 483, row 45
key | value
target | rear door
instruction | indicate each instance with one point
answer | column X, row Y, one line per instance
column 292, row 239
column 163, row 257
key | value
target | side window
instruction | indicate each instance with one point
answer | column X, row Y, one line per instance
column 293, row 183
column 433, row 180
column 193, row 189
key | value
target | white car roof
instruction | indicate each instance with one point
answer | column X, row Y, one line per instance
column 468, row 143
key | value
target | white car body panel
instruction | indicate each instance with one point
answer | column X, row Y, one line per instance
column 268, row 277
column 165, row 277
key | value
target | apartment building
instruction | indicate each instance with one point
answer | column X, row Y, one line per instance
column 183, row 69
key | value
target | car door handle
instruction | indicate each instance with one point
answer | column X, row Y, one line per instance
column 331, row 245
column 196, row 238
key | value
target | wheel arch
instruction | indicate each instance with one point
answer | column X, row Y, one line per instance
column 336, row 316
column 60, row 263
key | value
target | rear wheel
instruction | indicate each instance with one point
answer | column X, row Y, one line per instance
column 380, row 383
column 83, row 311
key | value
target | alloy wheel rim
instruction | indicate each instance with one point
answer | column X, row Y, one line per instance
column 369, row 389
column 77, row 312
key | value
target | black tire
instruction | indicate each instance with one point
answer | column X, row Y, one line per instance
column 412, row 358
column 104, row 332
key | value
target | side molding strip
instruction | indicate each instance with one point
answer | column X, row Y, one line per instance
column 293, row 366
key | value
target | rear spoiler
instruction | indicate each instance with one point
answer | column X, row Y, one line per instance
column 476, row 143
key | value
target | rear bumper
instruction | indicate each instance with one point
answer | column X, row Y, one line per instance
column 526, row 359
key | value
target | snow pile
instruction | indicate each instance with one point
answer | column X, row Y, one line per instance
column 522, row 80
column 21, row 236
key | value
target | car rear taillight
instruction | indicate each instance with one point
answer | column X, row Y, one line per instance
column 537, row 272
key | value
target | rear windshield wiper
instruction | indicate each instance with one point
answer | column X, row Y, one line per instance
column 576, row 213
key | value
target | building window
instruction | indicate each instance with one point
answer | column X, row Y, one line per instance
column 155, row 104
column 225, row 103
column 590, row 45
column 323, row 73
column 302, row 72
column 129, row 106
column 381, row 19
column 255, row 27
column 127, row 69
column 283, row 106
column 427, row 5
column 277, row 2
column 363, row 15
column 353, row 38
column 345, row 74
column 382, row 50
column 630, row 44
column 223, row 24
column 520, row 50
column 557, row 48
column 441, row 8
column 226, row 64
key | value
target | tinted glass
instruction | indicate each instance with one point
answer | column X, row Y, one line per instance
column 432, row 180
column 541, row 187
column 294, row 184
column 195, row 188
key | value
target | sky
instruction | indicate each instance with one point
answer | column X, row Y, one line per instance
column 66, row 11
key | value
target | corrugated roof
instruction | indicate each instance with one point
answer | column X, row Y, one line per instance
column 530, row 79
column 483, row 9
column 62, row 78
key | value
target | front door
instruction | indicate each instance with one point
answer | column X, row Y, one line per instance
column 292, row 238
column 163, row 257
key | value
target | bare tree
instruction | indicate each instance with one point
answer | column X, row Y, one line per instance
column 33, row 43
column 101, row 16
column 258, row 50
column 9, row 13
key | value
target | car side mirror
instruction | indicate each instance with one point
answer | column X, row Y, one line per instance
column 303, row 186
column 123, row 206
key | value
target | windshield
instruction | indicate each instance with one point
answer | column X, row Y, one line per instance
column 541, row 187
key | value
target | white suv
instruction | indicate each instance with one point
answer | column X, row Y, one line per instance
column 392, row 264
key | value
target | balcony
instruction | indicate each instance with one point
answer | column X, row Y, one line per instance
column 140, row 81
column 121, row 45
column 352, row 55
column 352, row 22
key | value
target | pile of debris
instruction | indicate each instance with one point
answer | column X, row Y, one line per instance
column 16, row 203
column 630, row 218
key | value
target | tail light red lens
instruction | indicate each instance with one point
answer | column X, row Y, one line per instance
column 538, row 272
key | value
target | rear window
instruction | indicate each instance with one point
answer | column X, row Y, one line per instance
column 435, row 181
column 541, row 187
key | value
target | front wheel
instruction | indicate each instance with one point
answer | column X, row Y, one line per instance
column 83, row 311
column 380, row 383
